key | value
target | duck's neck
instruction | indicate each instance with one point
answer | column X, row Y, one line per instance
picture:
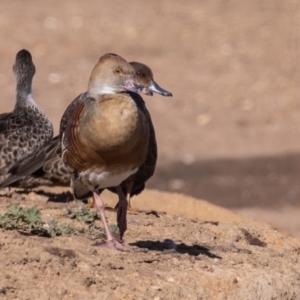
column 94, row 91
column 23, row 93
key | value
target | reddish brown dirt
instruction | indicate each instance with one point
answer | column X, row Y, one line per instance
column 230, row 134
column 171, row 257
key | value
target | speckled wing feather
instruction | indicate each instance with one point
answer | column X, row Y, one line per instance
column 12, row 121
column 21, row 134
column 44, row 166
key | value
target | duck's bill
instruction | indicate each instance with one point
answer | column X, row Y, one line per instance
column 155, row 88
column 134, row 86
column 146, row 91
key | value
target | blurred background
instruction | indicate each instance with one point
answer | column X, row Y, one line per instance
column 230, row 134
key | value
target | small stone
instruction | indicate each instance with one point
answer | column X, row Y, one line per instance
column 89, row 281
column 170, row 244
column 135, row 220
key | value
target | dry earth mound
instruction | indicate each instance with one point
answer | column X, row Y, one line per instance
column 220, row 256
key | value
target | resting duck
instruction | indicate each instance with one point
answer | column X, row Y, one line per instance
column 46, row 167
column 27, row 128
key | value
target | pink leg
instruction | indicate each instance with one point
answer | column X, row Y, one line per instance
column 111, row 242
column 122, row 212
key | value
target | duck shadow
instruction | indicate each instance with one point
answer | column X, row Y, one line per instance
column 168, row 246
column 63, row 197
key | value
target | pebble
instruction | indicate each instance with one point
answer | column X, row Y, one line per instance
column 156, row 287
column 170, row 244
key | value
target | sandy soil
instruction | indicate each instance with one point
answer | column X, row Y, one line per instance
column 171, row 257
column 230, row 134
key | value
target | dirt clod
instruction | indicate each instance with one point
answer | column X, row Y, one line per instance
column 61, row 252
column 253, row 240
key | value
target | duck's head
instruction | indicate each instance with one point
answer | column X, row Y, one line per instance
column 144, row 76
column 113, row 74
column 23, row 68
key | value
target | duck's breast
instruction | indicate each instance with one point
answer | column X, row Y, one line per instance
column 117, row 128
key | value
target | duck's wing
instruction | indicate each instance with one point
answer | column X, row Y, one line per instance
column 18, row 137
column 46, row 163
column 146, row 170
column 69, row 111
column 74, row 152
column 53, row 173
column 73, row 149
column 12, row 121
column 33, row 162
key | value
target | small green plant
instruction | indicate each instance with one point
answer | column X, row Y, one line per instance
column 30, row 221
column 56, row 229
column 18, row 218
column 114, row 228
column 88, row 216
column 84, row 214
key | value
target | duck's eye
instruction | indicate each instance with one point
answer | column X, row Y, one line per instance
column 138, row 73
column 118, row 71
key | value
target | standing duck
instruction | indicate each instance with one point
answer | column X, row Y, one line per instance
column 135, row 184
column 27, row 128
column 45, row 167
column 106, row 137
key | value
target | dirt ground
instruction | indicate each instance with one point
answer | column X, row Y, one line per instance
column 230, row 135
column 171, row 257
